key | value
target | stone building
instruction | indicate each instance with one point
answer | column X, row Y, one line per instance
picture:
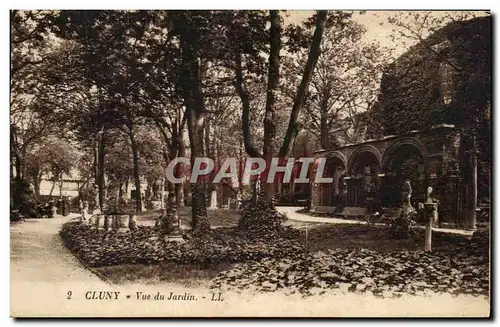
column 375, row 170
column 434, row 128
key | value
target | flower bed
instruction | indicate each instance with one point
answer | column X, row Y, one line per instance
column 99, row 248
column 363, row 271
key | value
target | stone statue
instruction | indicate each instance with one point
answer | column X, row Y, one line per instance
column 430, row 205
column 428, row 197
column 402, row 225
column 170, row 222
column 406, row 194
column 84, row 210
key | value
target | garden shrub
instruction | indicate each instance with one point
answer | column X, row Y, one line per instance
column 260, row 220
column 402, row 226
column 22, row 200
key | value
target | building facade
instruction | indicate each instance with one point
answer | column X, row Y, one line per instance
column 434, row 130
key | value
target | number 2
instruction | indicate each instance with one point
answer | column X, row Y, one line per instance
column 69, row 294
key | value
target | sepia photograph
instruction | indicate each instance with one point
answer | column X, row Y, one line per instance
column 250, row 163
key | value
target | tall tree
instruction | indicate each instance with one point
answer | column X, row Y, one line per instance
column 346, row 78
column 270, row 117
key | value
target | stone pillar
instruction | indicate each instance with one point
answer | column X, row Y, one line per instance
column 107, row 221
column 314, row 195
column 132, row 222
column 472, row 194
column 96, row 197
column 213, row 200
column 431, row 211
column 349, row 191
column 162, row 194
column 238, row 200
column 172, row 223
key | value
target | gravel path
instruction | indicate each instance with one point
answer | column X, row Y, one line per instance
column 39, row 255
column 292, row 214
column 43, row 271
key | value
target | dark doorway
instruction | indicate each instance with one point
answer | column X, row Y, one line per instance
column 405, row 163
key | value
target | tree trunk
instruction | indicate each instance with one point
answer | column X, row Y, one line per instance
column 209, row 154
column 18, row 166
column 24, row 166
column 137, row 177
column 13, row 154
column 86, row 191
column 52, row 188
column 11, row 168
column 270, row 119
column 312, row 59
column 324, row 126
column 195, row 112
column 61, row 183
column 162, row 194
column 101, row 155
column 179, row 187
column 96, row 160
column 120, row 193
column 126, row 189
column 36, row 184
column 245, row 101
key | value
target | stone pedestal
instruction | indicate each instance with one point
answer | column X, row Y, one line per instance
column 84, row 218
column 155, row 205
column 132, row 222
column 102, row 221
column 97, row 220
column 430, row 210
column 233, row 204
column 120, row 222
column 177, row 238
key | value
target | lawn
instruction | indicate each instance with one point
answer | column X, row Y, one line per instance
column 217, row 217
column 186, row 274
column 373, row 237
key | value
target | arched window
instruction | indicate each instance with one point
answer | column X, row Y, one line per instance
column 446, row 75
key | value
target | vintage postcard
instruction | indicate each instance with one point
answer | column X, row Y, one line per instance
column 250, row 163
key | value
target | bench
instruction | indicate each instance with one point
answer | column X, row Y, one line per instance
column 323, row 209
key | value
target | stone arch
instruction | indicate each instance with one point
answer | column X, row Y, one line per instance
column 404, row 159
column 362, row 149
column 363, row 169
column 338, row 155
column 331, row 193
column 397, row 144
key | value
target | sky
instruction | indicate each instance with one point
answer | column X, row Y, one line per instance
column 378, row 29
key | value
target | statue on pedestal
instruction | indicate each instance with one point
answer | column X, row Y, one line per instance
column 401, row 225
column 431, row 204
column 84, row 211
column 406, row 201
column 170, row 221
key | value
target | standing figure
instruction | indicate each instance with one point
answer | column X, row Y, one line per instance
column 84, row 211
column 53, row 208
column 406, row 201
